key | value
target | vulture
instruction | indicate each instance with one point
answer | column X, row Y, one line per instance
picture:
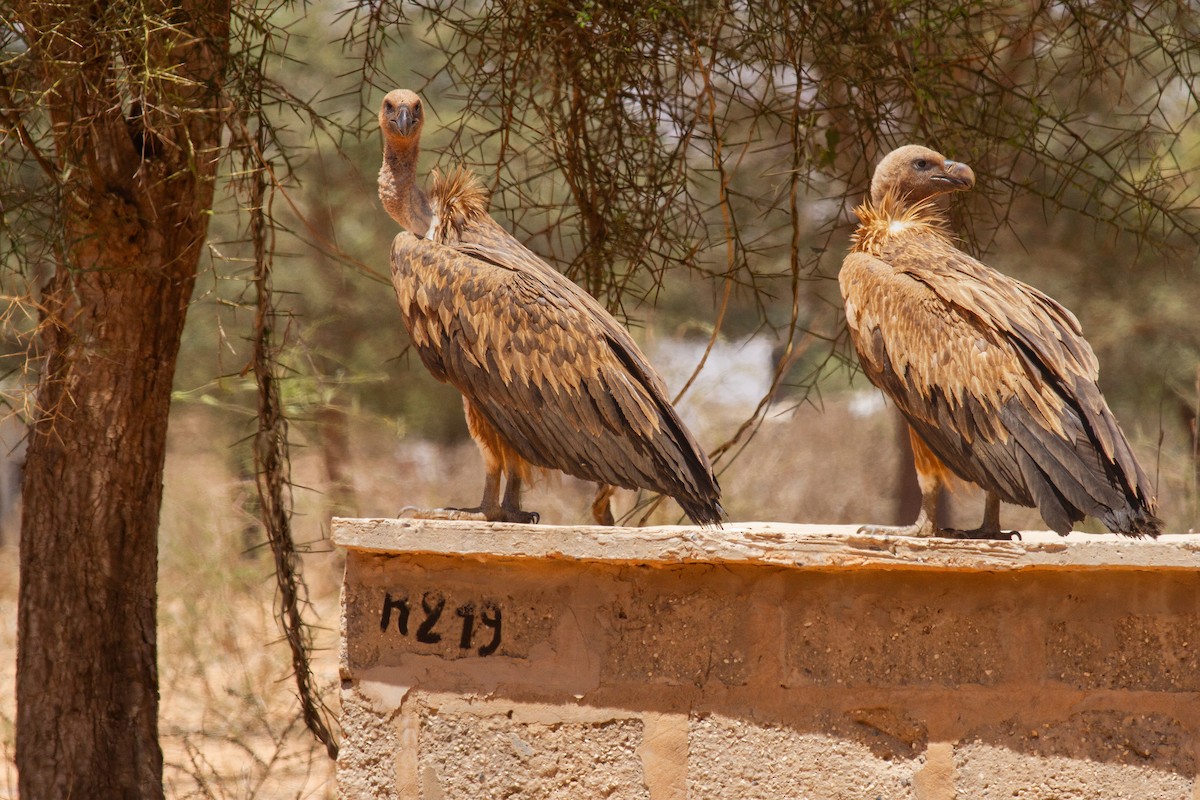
column 995, row 379
column 549, row 378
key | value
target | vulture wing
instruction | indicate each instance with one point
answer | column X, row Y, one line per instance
column 463, row 223
column 996, row 378
column 566, row 386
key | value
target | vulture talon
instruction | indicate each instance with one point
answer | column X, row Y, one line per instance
column 513, row 515
column 982, row 534
column 412, row 512
column 917, row 531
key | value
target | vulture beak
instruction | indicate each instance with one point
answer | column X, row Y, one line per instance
column 956, row 175
column 404, row 121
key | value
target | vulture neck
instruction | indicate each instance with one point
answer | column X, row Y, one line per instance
column 892, row 217
column 398, row 189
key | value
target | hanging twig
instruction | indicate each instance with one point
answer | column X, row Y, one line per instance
column 271, row 456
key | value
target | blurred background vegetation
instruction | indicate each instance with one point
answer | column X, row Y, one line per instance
column 696, row 166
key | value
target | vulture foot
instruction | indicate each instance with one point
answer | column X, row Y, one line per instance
column 982, row 533
column 502, row 514
column 478, row 514
column 916, row 529
column 922, row 527
column 412, row 512
column 495, row 514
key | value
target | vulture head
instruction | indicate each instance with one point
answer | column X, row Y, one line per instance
column 401, row 117
column 914, row 173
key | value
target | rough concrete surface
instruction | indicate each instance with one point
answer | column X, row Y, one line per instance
column 732, row 758
column 765, row 661
column 675, row 637
column 986, row 772
column 369, row 750
column 468, row 755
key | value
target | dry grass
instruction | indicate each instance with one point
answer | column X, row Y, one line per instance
column 230, row 725
column 229, row 721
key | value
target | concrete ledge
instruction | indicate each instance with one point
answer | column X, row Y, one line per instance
column 819, row 547
column 764, row 661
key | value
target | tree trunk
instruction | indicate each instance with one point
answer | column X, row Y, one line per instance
column 136, row 155
column 87, row 684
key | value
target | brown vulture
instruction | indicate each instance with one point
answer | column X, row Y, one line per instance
column 548, row 376
column 995, row 378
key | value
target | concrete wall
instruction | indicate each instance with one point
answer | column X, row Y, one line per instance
column 765, row 661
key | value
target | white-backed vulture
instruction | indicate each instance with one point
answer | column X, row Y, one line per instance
column 548, row 376
column 996, row 381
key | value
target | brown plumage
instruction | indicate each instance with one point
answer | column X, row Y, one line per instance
column 548, row 377
column 994, row 377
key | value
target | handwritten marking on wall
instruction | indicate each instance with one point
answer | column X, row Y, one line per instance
column 398, row 612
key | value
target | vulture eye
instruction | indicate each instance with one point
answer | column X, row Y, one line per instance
column 921, row 164
column 388, row 106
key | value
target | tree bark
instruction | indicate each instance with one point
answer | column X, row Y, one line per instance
column 136, row 154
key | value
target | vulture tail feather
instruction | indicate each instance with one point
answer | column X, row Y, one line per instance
column 699, row 496
column 1059, row 515
column 1099, row 459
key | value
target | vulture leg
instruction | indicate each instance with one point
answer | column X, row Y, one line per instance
column 991, row 514
column 510, row 509
column 491, row 500
column 924, row 525
column 990, row 529
column 485, row 438
column 491, row 489
column 932, row 475
column 601, row 507
column 498, row 458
